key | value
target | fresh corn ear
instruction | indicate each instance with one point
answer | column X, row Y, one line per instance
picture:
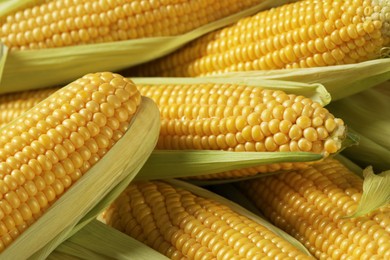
column 242, row 118
column 184, row 225
column 304, row 34
column 313, row 205
column 74, row 22
column 60, row 23
column 50, row 147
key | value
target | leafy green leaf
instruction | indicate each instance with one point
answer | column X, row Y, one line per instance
column 340, row 80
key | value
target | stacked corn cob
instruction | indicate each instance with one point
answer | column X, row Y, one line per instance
column 52, row 145
column 51, row 139
column 311, row 205
column 237, row 118
column 60, row 23
column 308, row 33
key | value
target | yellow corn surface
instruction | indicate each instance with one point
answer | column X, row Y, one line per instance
column 60, row 23
column 311, row 204
column 240, row 118
column 308, row 33
column 182, row 225
column 52, row 145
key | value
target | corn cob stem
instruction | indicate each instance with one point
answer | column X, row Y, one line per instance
column 311, row 205
column 307, row 33
column 51, row 146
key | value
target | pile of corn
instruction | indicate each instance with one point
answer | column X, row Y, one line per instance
column 210, row 157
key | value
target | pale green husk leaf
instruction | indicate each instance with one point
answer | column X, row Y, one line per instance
column 237, row 208
column 376, row 192
column 368, row 152
column 315, row 91
column 341, row 80
column 165, row 164
column 99, row 241
column 94, row 191
column 366, row 113
column 3, row 57
column 57, row 66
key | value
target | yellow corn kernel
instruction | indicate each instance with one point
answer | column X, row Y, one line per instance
column 60, row 23
column 310, row 205
column 180, row 224
column 48, row 148
column 308, row 33
column 14, row 104
column 243, row 118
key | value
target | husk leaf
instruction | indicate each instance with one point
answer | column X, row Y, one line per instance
column 366, row 114
column 163, row 164
column 368, row 152
column 95, row 189
column 341, row 80
column 99, row 241
column 3, row 57
column 237, row 208
column 376, row 192
column 57, row 66
column 314, row 91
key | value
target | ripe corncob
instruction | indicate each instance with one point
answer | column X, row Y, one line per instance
column 182, row 225
column 307, row 33
column 14, row 104
column 47, row 149
column 243, row 118
column 59, row 23
column 310, row 205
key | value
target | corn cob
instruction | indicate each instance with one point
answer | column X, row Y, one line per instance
column 50, row 147
column 60, row 23
column 243, row 118
column 310, row 205
column 182, row 225
column 307, row 33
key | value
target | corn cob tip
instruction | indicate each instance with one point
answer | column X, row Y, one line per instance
column 379, row 14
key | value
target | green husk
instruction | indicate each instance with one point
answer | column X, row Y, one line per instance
column 57, row 66
column 237, row 208
column 366, row 114
column 376, row 192
column 314, row 91
column 94, row 191
column 166, row 164
column 341, row 80
column 99, row 241
column 3, row 57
